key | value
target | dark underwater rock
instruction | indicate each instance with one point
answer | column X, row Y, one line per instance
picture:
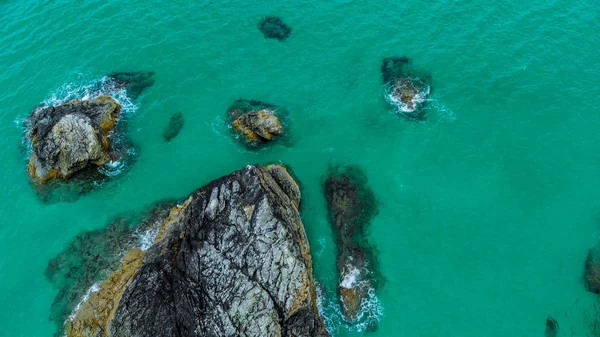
column 405, row 89
column 232, row 260
column 273, row 27
column 93, row 255
column 351, row 206
column 174, row 127
column 552, row 327
column 135, row 82
column 257, row 122
column 71, row 137
column 591, row 276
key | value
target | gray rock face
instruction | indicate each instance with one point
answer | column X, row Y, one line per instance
column 70, row 137
column 233, row 260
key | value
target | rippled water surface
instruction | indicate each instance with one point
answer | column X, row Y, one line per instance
column 486, row 208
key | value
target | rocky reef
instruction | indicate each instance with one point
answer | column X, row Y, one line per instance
column 351, row 206
column 552, row 327
column 71, row 137
column 255, row 122
column 231, row 260
column 134, row 82
column 405, row 89
column 93, row 255
column 273, row 27
column 591, row 275
column 174, row 127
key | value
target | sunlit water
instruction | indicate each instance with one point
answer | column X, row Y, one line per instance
column 487, row 206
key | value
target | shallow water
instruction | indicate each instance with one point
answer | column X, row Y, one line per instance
column 487, row 207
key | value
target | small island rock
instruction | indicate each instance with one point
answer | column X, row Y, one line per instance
column 71, row 137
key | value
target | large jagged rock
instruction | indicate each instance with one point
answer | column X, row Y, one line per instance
column 232, row 260
column 351, row 205
column 71, row 137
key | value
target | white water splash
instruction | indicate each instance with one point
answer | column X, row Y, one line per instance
column 147, row 238
column 94, row 288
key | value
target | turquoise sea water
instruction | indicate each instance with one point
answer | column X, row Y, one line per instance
column 487, row 208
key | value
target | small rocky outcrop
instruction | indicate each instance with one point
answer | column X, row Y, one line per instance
column 406, row 91
column 352, row 205
column 273, row 27
column 255, row 121
column 591, row 275
column 135, row 82
column 232, row 260
column 71, row 137
column 174, row 127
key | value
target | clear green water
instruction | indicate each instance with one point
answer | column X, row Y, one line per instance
column 487, row 208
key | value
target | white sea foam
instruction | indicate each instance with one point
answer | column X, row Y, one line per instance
column 350, row 280
column 94, row 288
column 421, row 97
column 146, row 239
column 369, row 314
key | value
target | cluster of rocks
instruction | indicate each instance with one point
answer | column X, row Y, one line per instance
column 352, row 205
column 231, row 260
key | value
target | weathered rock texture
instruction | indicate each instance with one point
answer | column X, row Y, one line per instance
column 93, row 255
column 233, row 260
column 71, row 137
column 351, row 205
column 407, row 91
column 256, row 121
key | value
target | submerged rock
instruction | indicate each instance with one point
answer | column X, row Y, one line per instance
column 592, row 270
column 351, row 206
column 273, row 27
column 232, row 260
column 551, row 327
column 406, row 91
column 93, row 255
column 256, row 121
column 71, row 137
column 174, row 127
column 135, row 82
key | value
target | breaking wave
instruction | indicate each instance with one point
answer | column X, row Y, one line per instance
column 369, row 314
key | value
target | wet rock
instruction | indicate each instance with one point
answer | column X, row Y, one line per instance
column 135, row 82
column 406, row 90
column 71, row 137
column 93, row 255
column 273, row 27
column 256, row 121
column 551, row 327
column 174, row 127
column 351, row 206
column 232, row 260
column 592, row 270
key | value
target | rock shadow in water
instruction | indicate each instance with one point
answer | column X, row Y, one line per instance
column 93, row 255
column 351, row 207
column 273, row 27
column 135, row 82
column 174, row 127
